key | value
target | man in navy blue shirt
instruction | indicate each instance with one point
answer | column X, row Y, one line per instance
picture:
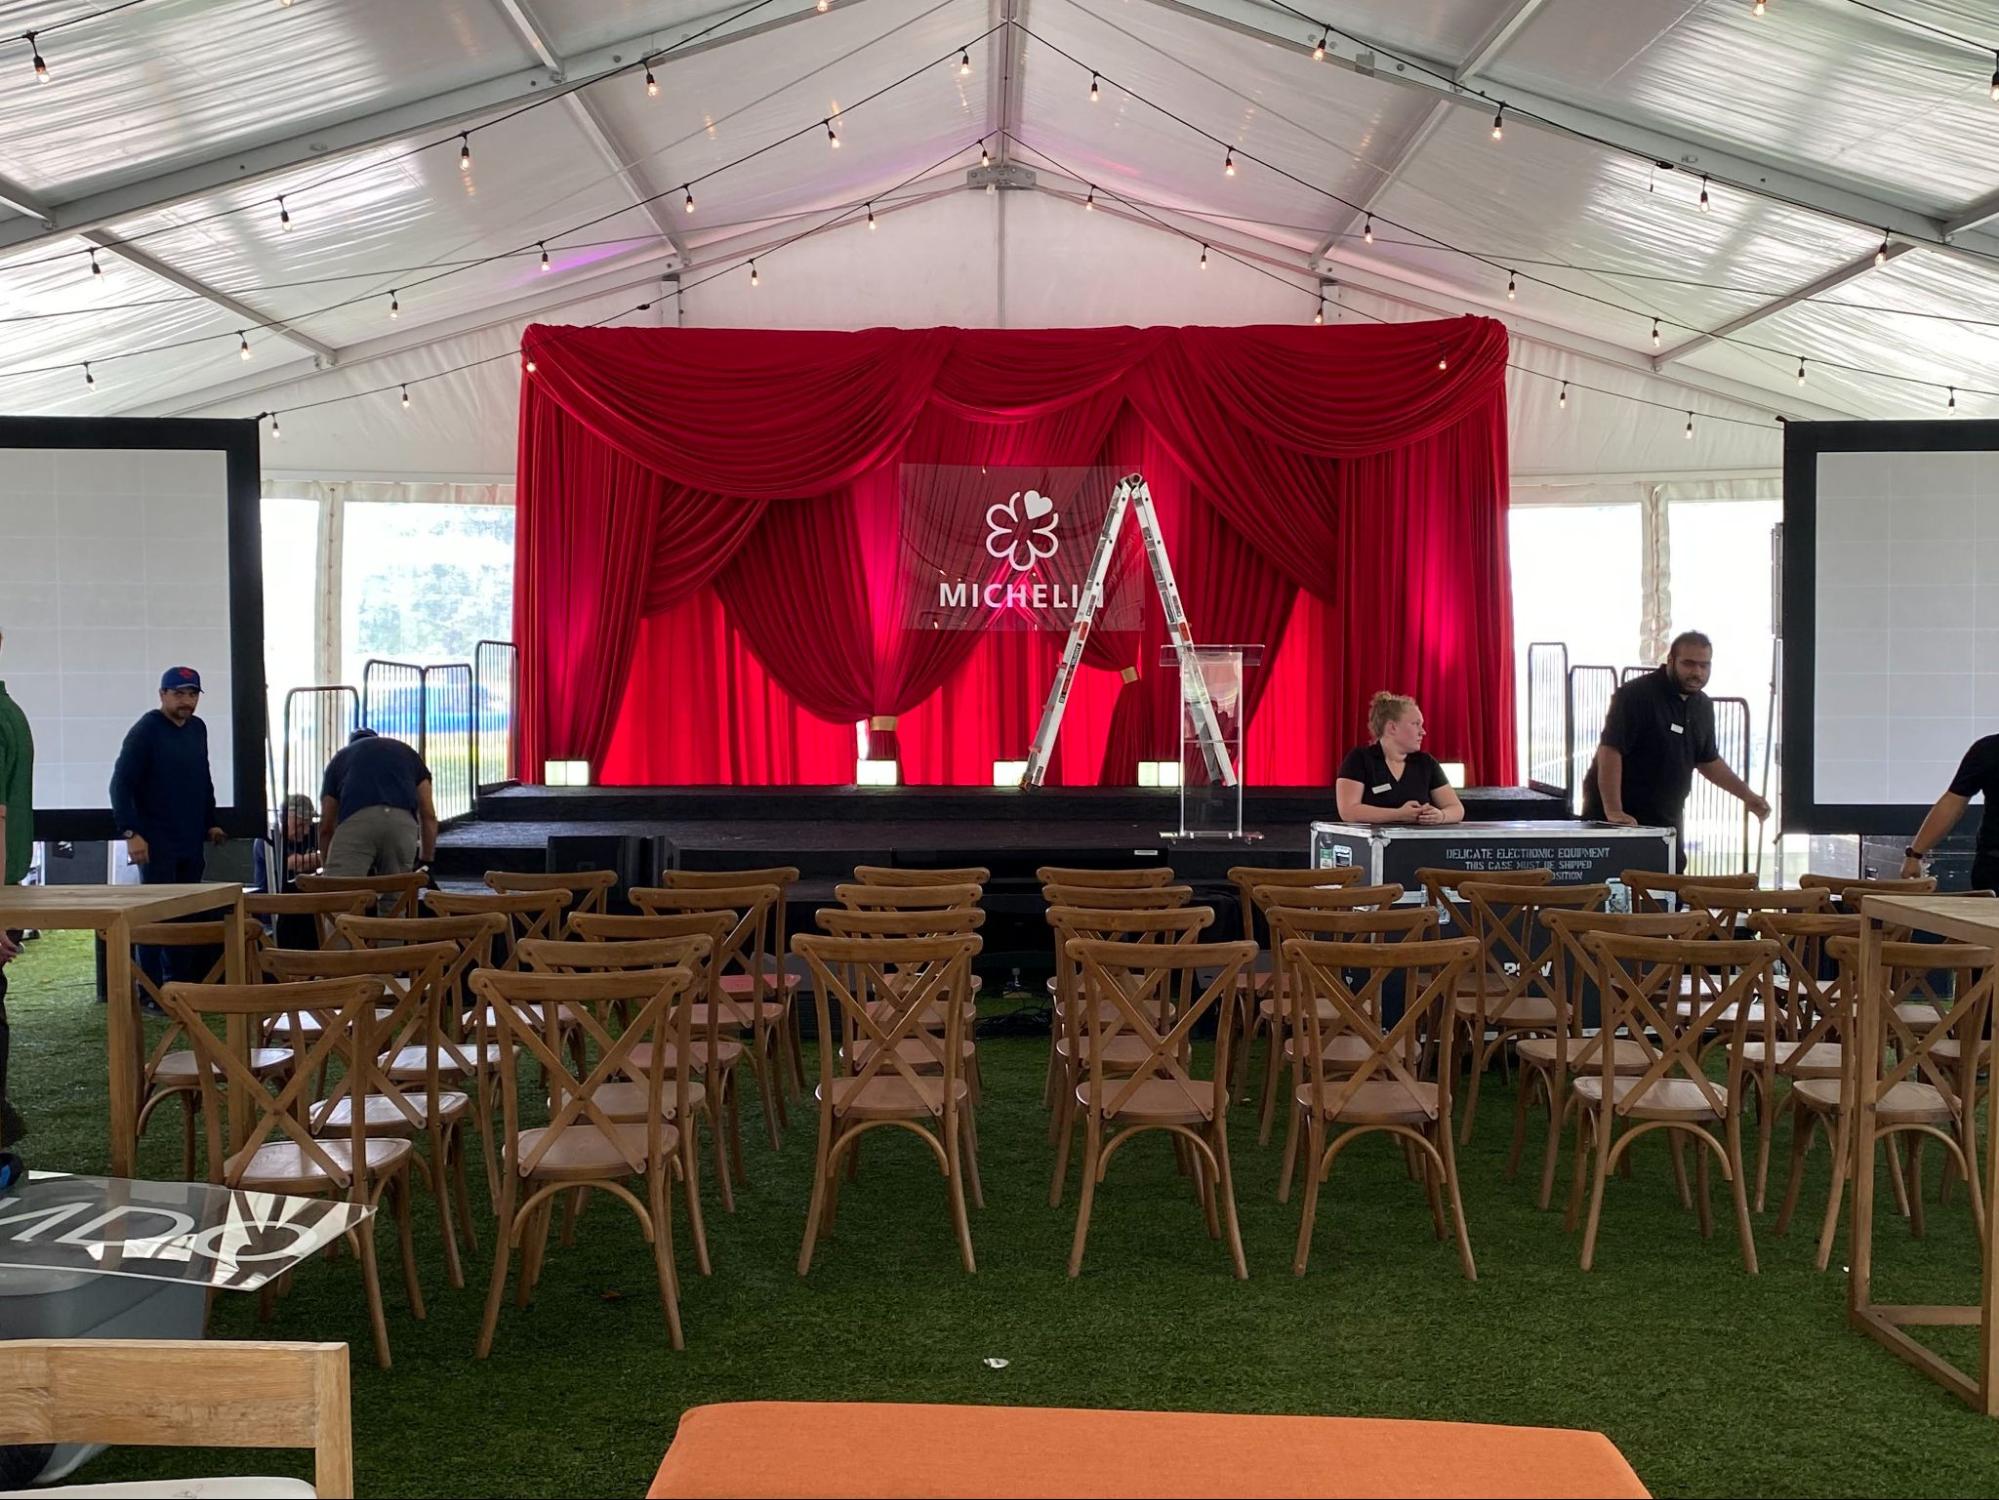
column 163, row 798
column 376, row 815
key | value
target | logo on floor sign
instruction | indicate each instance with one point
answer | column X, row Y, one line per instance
column 1022, row 530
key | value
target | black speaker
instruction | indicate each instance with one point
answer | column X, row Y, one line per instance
column 639, row 859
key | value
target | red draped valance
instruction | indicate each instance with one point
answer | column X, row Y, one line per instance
column 734, row 493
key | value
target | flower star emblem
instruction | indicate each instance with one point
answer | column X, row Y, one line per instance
column 1022, row 530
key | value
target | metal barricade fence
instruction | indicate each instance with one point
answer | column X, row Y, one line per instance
column 1590, row 690
column 1548, row 728
column 495, row 669
column 446, row 709
column 316, row 724
column 392, row 701
column 1718, row 835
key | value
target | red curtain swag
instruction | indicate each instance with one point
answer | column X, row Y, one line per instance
column 708, row 542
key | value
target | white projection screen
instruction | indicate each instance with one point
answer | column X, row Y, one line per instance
column 1890, row 616
column 128, row 546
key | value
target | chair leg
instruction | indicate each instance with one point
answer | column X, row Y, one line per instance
column 1315, row 1150
column 1290, row 1163
column 1551, row 1157
column 1842, row 1147
column 1450, row 1155
column 1602, row 1176
column 404, row 1233
column 1739, row 1187
column 719, row 1082
column 371, row 1280
column 1802, row 1124
column 661, row 1193
column 1481, row 1059
column 1433, row 1190
column 1766, row 1123
column 1918, row 1225
column 1575, row 1214
column 461, row 1193
column 954, row 1181
column 971, row 1126
column 1219, row 1139
column 1678, row 1148
column 1064, row 1126
column 1273, row 1064
column 690, row 1169
column 736, row 1127
column 188, row 1104
column 1091, row 1150
column 440, row 1190
column 534, row 1249
column 821, row 1170
column 572, row 1210
column 1528, row 1076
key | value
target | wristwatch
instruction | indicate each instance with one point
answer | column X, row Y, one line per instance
column 1912, row 852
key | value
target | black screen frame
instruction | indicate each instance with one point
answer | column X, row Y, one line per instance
column 1804, row 442
column 241, row 809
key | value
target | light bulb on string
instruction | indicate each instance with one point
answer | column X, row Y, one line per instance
column 1756, row 10
column 42, row 67
column 1090, row 199
column 1228, row 163
column 530, row 364
column 464, row 153
column 964, row 62
column 1655, row 333
column 1995, row 78
column 985, row 156
column 754, row 281
column 1690, row 427
column 544, row 255
column 242, row 344
column 871, row 216
column 687, row 189
column 1319, row 50
column 1093, row 88
column 88, row 378
column 284, row 215
column 1512, row 291
column 1204, row 257
column 1704, row 205
column 406, row 398
column 1499, row 122
column 1562, row 401
column 1320, row 315
column 1953, row 399
column 832, row 137
column 395, row 306
column 1801, row 369
column 95, row 268
column 1881, row 255
column 652, row 83
column 823, row 4
column 1367, row 230
column 276, row 431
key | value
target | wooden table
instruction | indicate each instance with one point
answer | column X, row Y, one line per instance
column 113, row 911
column 1964, row 919
column 800, row 1448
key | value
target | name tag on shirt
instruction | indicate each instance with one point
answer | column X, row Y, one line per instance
column 1677, row 728
column 1384, row 787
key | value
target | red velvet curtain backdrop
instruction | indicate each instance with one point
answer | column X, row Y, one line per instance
column 708, row 533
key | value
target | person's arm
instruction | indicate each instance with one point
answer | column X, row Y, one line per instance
column 125, row 776
column 1348, row 793
column 1610, row 785
column 426, row 821
column 1936, row 828
column 7, row 753
column 1717, row 771
column 215, row 833
column 1444, row 806
column 260, row 865
column 329, row 819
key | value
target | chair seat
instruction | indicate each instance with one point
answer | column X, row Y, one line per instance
column 1156, row 1101
column 1795, row 1059
column 1328, row 1012
column 884, row 1014
column 1344, row 1052
column 1379, row 1101
column 454, row 1061
column 1108, row 1012
column 727, row 1053
column 1905, row 1103
column 180, row 1070
column 915, row 1052
column 180, row 1489
column 1122, row 1053
column 381, row 1116
column 890, row 1096
column 739, row 1015
column 626, row 1102
column 1918, row 1013
column 1663, row 1099
column 585, row 1152
column 308, row 1023
column 743, row 984
column 1950, row 1049
column 1586, row 1055
column 1727, row 1016
column 1520, row 1011
column 283, row 1166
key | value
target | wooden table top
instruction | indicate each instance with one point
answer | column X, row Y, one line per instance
column 1968, row 919
column 96, row 907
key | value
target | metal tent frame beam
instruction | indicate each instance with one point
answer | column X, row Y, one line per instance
column 1839, row 276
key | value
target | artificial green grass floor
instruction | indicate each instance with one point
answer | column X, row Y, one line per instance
column 1710, row 1381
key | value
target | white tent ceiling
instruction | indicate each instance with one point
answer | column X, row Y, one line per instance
column 171, row 128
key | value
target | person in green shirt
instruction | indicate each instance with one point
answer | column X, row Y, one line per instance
column 17, row 840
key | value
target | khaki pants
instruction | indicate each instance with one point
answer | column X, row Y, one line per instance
column 375, row 841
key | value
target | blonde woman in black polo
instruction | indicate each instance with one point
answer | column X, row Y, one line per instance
column 1392, row 780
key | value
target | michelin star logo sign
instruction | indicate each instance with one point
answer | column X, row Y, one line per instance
column 1022, row 530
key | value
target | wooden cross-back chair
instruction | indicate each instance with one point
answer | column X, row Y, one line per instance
column 1389, row 924
column 1385, row 1089
column 1510, row 992
column 1105, row 879
column 743, row 964
column 693, row 949
column 717, row 1049
column 601, row 1131
column 1659, row 890
column 262, row 1119
column 529, row 914
column 1441, row 885
column 1800, row 1031
column 461, row 1057
column 1118, row 897
column 412, row 1099
column 1247, row 879
column 1730, row 911
column 1639, row 979
column 1919, row 1067
column 951, row 921
column 779, row 980
column 396, row 894
column 1268, row 1012
column 1550, row 1064
column 315, row 912
column 171, row 1066
column 589, row 890
column 1849, row 889
column 1072, row 1044
column 872, row 995
column 1124, row 986
column 905, row 897
column 903, row 875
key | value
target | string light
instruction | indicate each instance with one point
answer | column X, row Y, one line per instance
column 276, row 431
column 832, row 136
column 652, row 83
column 1690, row 426
column 1319, row 51
column 544, row 255
column 464, row 153
column 1562, row 400
column 1801, row 369
column 1499, row 122
column 1756, row 10
column 753, row 274
column 1228, row 163
column 1881, row 255
column 1090, row 199
column 1995, row 78
column 1204, row 257
column 965, row 62
column 530, row 364
column 1443, row 363
column 284, row 215
column 95, row 268
column 1320, row 315
column 871, row 216
column 823, row 4
column 395, row 306
column 406, row 398
column 1953, row 399
column 985, row 156
column 42, row 67
column 1655, row 333
column 688, row 189
column 1093, row 88
column 1704, row 203
column 1512, row 291
column 1367, row 230
column 242, row 344
column 88, row 378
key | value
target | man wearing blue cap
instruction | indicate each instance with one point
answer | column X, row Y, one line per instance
column 163, row 798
